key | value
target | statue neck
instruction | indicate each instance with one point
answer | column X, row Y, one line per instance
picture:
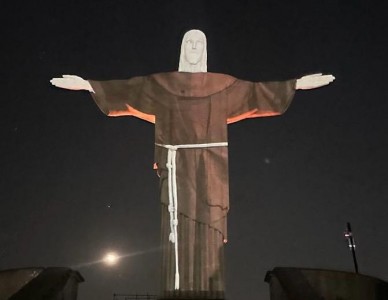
column 192, row 68
column 189, row 68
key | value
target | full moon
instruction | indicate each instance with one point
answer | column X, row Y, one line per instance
column 111, row 258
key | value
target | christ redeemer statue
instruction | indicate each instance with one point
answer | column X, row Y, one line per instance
column 191, row 109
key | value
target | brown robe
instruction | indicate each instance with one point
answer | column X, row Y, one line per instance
column 193, row 108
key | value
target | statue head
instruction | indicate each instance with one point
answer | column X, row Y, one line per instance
column 193, row 52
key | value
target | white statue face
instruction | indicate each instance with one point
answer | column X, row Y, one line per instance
column 194, row 45
column 193, row 52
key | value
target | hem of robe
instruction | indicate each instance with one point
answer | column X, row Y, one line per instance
column 201, row 259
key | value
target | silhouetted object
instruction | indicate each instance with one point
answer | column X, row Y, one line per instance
column 313, row 284
column 39, row 283
column 352, row 245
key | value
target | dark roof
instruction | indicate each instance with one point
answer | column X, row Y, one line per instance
column 47, row 284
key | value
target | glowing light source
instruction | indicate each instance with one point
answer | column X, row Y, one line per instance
column 111, row 258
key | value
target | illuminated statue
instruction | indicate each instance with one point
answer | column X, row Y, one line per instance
column 191, row 109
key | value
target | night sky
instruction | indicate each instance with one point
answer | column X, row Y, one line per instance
column 75, row 184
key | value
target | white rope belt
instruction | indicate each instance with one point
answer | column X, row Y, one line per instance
column 173, row 194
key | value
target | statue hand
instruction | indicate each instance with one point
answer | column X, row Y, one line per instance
column 313, row 81
column 72, row 82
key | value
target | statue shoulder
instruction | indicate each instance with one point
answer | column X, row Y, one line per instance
column 194, row 84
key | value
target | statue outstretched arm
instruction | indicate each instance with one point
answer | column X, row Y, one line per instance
column 313, row 81
column 72, row 82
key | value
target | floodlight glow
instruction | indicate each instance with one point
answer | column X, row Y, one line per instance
column 111, row 258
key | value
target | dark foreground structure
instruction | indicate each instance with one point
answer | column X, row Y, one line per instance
column 39, row 283
column 314, row 284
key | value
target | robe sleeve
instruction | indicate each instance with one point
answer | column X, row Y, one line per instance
column 258, row 99
column 131, row 97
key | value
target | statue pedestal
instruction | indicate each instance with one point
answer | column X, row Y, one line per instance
column 193, row 295
column 314, row 284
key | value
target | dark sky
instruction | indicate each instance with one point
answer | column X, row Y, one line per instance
column 75, row 183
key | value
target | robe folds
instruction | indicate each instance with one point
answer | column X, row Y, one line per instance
column 193, row 108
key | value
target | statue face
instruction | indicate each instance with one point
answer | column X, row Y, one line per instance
column 193, row 58
column 194, row 45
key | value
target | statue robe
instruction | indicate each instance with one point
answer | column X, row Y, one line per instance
column 193, row 108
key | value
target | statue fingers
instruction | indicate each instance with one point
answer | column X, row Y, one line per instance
column 327, row 79
column 55, row 81
column 65, row 83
